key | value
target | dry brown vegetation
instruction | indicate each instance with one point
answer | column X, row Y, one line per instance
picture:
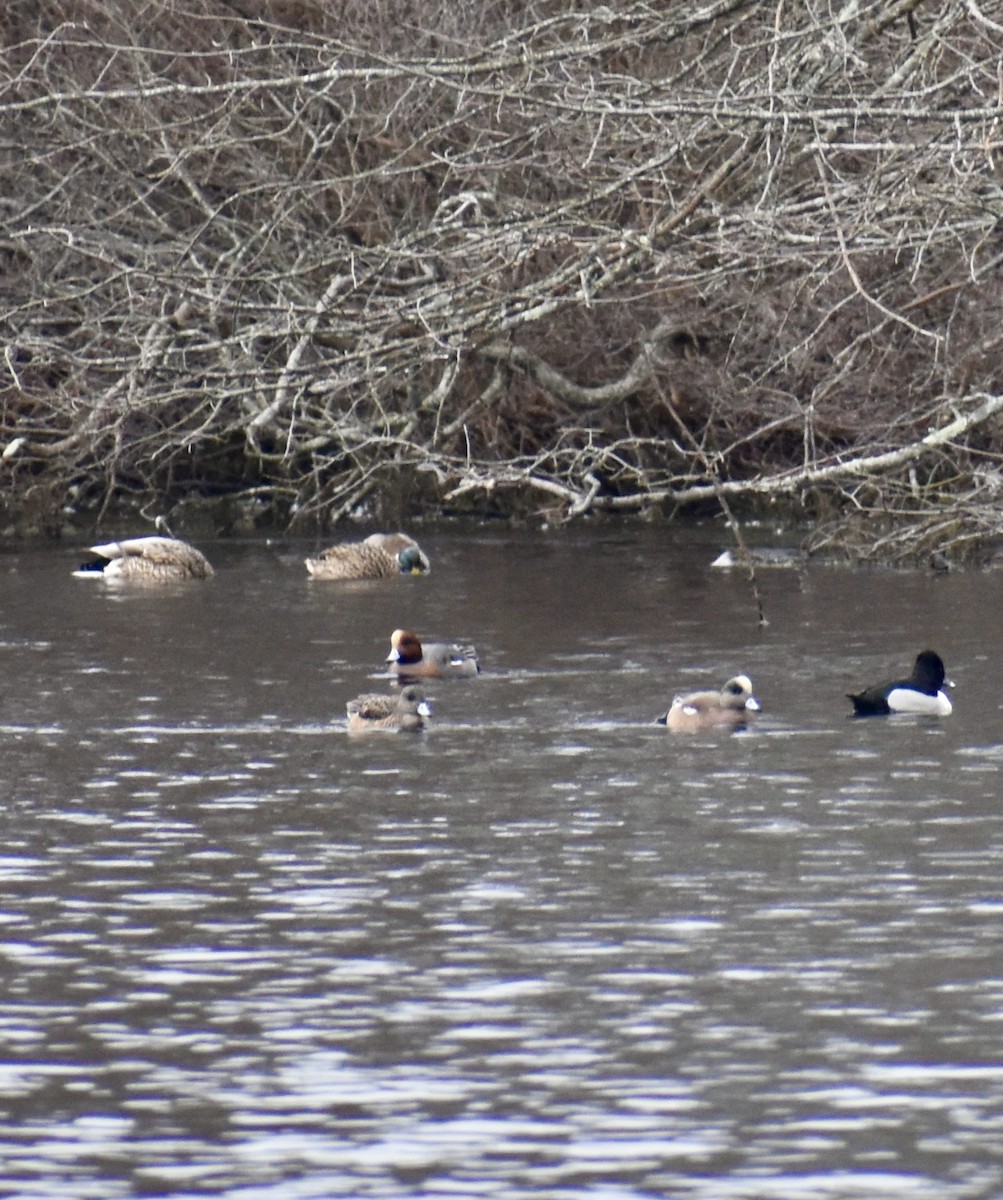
column 316, row 260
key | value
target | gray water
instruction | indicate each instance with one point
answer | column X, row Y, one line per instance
column 545, row 949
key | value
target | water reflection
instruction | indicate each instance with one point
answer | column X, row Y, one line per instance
column 545, row 949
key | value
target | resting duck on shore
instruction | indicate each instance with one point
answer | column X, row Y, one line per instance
column 376, row 557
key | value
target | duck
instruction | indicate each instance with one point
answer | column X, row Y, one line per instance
column 435, row 660
column 152, row 559
column 732, row 707
column 923, row 692
column 403, row 713
column 376, row 557
column 766, row 556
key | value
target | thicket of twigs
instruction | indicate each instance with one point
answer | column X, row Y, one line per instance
column 317, row 260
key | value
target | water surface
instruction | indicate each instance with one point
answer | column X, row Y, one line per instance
column 545, row 949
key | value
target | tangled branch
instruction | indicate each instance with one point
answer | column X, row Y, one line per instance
column 599, row 260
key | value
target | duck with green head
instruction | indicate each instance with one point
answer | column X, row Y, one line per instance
column 378, row 556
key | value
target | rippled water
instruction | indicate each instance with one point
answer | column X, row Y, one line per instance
column 545, row 949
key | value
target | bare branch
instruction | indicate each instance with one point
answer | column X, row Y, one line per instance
column 333, row 261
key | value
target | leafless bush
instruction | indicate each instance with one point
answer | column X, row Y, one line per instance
column 330, row 259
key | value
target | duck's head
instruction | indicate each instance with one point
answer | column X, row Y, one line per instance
column 412, row 561
column 404, row 647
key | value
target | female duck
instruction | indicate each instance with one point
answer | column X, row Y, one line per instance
column 730, row 708
column 377, row 557
column 405, row 712
column 436, row 660
column 151, row 559
column 921, row 693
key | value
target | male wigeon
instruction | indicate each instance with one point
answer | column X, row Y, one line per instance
column 405, row 712
column 921, row 693
column 152, row 559
column 376, row 557
column 732, row 707
column 437, row 660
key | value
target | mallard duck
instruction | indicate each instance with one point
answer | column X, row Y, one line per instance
column 153, row 559
column 376, row 557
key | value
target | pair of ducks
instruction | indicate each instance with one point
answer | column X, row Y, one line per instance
column 409, row 659
column 922, row 693
column 160, row 559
